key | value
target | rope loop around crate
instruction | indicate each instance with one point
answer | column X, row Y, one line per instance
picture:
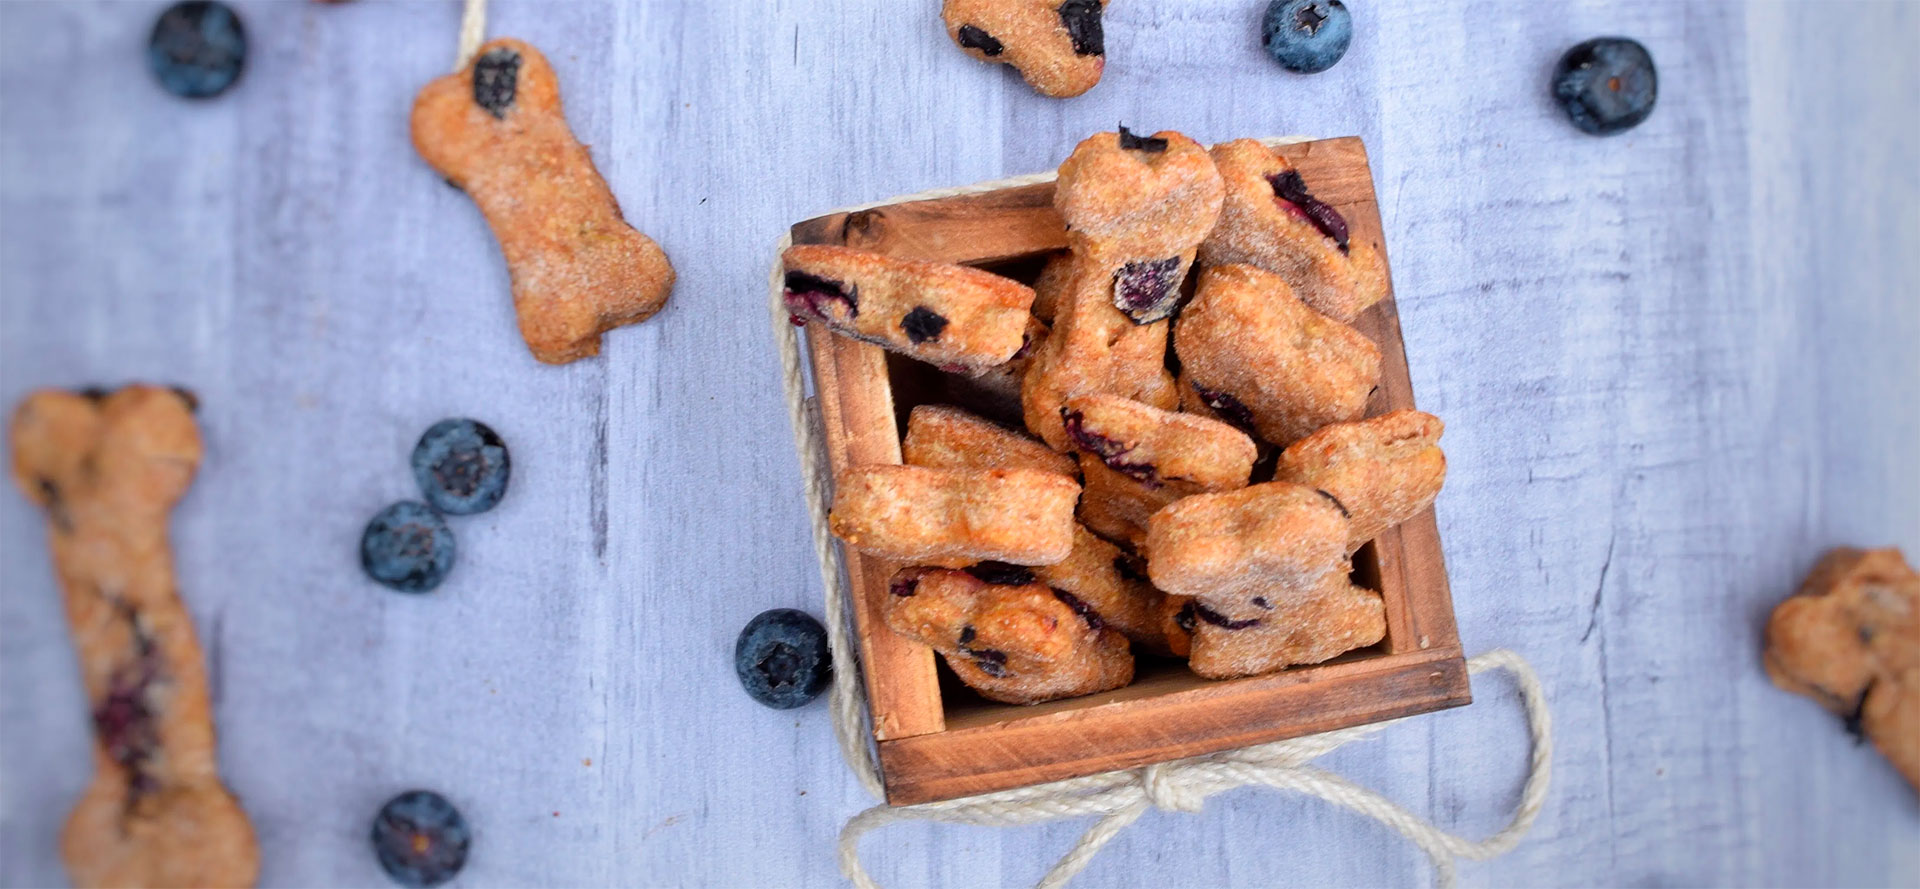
column 1117, row 799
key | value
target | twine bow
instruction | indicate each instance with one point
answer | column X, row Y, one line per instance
column 1117, row 799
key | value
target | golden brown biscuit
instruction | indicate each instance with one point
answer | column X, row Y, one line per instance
column 1059, row 46
column 1136, row 209
column 1255, row 353
column 1016, row 642
column 1056, row 277
column 1138, row 458
column 496, row 131
column 957, row 317
column 1850, row 639
column 942, row 437
column 107, row 469
column 1113, row 583
column 955, row 517
column 1275, row 541
column 1383, row 470
column 1334, row 618
column 1093, row 348
column 1272, row 221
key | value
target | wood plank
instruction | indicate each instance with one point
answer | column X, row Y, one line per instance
column 1102, row 736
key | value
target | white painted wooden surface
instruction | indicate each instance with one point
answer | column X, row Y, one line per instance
column 1675, row 366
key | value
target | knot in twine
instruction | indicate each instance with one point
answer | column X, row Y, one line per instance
column 1116, row 799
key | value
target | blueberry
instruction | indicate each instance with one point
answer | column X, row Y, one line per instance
column 496, row 77
column 1148, row 291
column 1148, row 144
column 1111, row 451
column 1607, row 85
column 420, row 839
column 1291, row 189
column 462, row 466
column 1082, row 21
column 1307, row 36
column 197, row 48
column 807, row 296
column 1001, row 573
column 782, row 658
column 975, row 37
column 407, row 547
column 1081, row 608
column 923, row 324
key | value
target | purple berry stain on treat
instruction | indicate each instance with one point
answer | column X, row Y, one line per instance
column 1111, row 451
column 420, row 839
column 1002, row 573
column 496, row 78
column 807, row 296
column 1149, row 144
column 1082, row 20
column 461, row 466
column 782, row 658
column 1262, row 603
column 1222, row 621
column 1292, row 192
column 974, row 37
column 923, row 324
column 1081, row 608
column 1234, row 411
column 124, row 719
column 1148, row 291
column 906, row 582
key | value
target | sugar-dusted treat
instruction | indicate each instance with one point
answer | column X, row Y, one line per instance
column 1139, row 458
column 1093, row 348
column 107, row 470
column 1270, row 219
column 496, row 131
column 1850, row 639
column 942, row 437
column 1334, row 618
column 1112, row 582
column 1272, row 541
column 955, row 517
column 1051, row 287
column 1253, row 352
column 1383, row 470
column 1136, row 209
column 1059, row 46
column 950, row 315
column 1011, row 639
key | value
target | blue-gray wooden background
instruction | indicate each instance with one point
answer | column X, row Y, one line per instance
column 1675, row 366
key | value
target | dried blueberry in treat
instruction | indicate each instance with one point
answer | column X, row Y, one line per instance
column 1002, row 573
column 1291, row 190
column 811, row 296
column 407, row 547
column 782, row 658
column 1306, row 36
column 923, row 324
column 496, row 76
column 1131, row 142
column 1607, row 85
column 420, row 839
column 462, row 466
column 197, row 49
column 1148, row 291
column 1082, row 20
column 973, row 37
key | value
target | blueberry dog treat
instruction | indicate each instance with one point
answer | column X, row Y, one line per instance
column 1383, row 470
column 950, row 315
column 1247, row 344
column 1275, row 542
column 1059, row 46
column 1093, row 348
column 942, row 437
column 1271, row 220
column 955, row 517
column 1052, row 285
column 1850, row 639
column 1334, row 618
column 107, row 470
column 1111, row 582
column 1138, row 458
column 1010, row 639
column 496, row 131
column 1136, row 209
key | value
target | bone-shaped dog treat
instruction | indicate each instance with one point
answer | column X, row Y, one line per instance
column 495, row 130
column 107, row 469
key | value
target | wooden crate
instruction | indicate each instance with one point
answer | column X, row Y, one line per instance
column 937, row 740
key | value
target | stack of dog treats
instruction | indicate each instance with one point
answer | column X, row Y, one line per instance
column 1127, row 513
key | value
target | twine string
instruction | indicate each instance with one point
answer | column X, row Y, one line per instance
column 1118, row 799
column 473, row 32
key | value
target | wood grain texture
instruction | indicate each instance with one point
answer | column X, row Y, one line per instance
column 1675, row 365
column 1173, row 714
